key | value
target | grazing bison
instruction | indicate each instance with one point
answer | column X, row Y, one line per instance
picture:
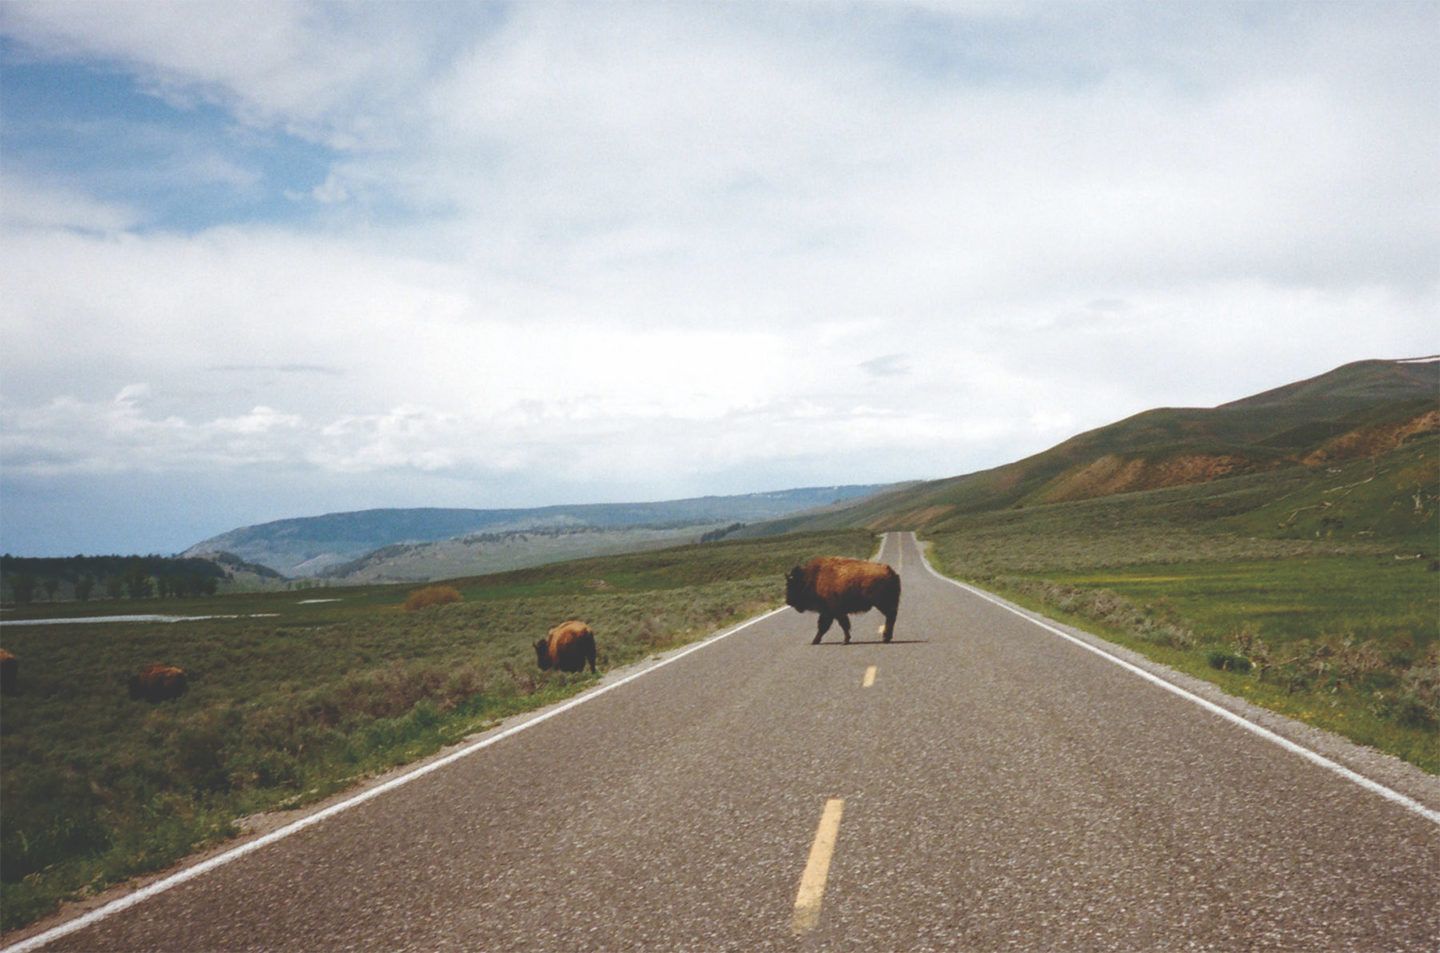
column 834, row 587
column 9, row 673
column 156, row 683
column 569, row 646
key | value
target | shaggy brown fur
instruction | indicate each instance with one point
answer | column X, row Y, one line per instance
column 156, row 683
column 835, row 586
column 570, row 645
column 9, row 673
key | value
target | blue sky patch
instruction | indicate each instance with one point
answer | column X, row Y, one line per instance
column 95, row 130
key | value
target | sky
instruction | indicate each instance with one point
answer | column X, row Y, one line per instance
column 279, row 259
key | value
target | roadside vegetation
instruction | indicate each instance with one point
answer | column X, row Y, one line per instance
column 1313, row 592
column 299, row 697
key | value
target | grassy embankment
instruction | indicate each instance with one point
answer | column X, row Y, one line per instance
column 1298, row 590
column 296, row 700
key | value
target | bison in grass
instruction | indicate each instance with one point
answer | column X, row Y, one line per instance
column 9, row 673
column 834, row 587
column 569, row 646
column 156, row 683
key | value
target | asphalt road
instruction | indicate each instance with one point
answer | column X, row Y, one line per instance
column 993, row 786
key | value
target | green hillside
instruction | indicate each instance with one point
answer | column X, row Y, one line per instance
column 1354, row 412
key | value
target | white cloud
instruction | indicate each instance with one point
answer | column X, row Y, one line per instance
column 25, row 204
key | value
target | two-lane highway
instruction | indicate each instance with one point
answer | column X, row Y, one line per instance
column 980, row 783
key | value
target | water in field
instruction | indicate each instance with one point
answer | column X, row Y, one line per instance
column 91, row 620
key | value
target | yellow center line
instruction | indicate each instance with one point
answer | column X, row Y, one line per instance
column 869, row 677
column 817, row 868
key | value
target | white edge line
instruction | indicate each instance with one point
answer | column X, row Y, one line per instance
column 1312, row 756
column 235, row 853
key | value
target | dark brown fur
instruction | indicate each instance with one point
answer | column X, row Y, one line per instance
column 570, row 645
column 156, row 683
column 9, row 673
column 835, row 586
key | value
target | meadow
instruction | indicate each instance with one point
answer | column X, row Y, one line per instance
column 1311, row 592
column 296, row 699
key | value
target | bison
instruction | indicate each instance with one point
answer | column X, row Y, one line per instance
column 569, row 646
column 156, row 683
column 835, row 586
column 9, row 673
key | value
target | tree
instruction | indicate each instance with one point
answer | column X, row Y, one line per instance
column 114, row 585
column 138, row 584
column 23, row 585
column 52, row 586
column 83, row 586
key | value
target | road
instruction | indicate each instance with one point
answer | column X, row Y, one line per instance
column 978, row 784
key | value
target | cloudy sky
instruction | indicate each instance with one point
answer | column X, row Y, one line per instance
column 277, row 259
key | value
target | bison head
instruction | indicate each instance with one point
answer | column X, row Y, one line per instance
column 795, row 594
column 542, row 654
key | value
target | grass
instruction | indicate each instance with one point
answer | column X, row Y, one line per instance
column 1283, row 600
column 292, row 702
column 1311, row 592
column 1362, row 713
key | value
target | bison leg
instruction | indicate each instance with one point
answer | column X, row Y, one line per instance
column 824, row 627
column 844, row 621
column 889, row 626
column 590, row 655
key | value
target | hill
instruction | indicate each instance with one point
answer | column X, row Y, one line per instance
column 309, row 546
column 1358, row 411
column 477, row 553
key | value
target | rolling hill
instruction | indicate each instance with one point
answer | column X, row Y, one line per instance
column 316, row 545
column 1359, row 411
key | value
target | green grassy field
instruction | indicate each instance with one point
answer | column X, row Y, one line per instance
column 1313, row 592
column 295, row 700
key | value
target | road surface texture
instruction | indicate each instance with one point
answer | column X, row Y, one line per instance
column 980, row 783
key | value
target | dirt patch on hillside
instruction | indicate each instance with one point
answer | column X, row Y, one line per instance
column 1112, row 474
column 1373, row 441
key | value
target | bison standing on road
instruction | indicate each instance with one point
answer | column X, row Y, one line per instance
column 570, row 645
column 156, row 683
column 834, row 587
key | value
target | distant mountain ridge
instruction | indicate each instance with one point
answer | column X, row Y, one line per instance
column 1358, row 410
column 311, row 545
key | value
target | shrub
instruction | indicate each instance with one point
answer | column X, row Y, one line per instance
column 51, row 815
column 431, row 596
column 1228, row 661
column 1254, row 649
column 1419, row 702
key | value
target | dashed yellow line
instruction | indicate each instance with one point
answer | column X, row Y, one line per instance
column 817, row 868
column 869, row 678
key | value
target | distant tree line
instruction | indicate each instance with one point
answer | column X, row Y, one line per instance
column 27, row 579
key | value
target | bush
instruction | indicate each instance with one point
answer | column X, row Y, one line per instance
column 1419, row 702
column 1228, row 661
column 431, row 596
column 51, row 815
